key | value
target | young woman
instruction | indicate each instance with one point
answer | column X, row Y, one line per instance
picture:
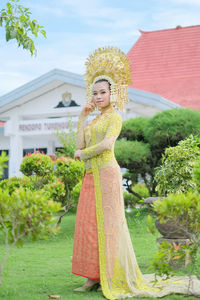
column 103, row 251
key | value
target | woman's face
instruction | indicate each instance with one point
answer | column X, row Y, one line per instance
column 101, row 94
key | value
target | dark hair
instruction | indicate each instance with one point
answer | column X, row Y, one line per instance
column 104, row 80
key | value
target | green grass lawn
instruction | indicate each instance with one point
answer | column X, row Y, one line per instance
column 44, row 267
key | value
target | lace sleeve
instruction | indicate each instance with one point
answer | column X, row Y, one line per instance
column 80, row 141
column 111, row 135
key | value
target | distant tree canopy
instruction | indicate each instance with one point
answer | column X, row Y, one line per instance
column 18, row 25
column 143, row 140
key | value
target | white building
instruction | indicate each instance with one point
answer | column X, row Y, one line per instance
column 35, row 110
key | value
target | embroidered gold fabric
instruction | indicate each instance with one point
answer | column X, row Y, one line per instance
column 105, row 134
column 119, row 272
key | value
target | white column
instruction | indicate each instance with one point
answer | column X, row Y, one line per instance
column 51, row 147
column 15, row 155
column 16, row 145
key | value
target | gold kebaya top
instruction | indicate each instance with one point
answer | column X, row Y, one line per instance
column 98, row 138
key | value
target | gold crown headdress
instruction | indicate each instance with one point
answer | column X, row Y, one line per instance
column 111, row 64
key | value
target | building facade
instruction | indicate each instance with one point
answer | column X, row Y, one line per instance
column 31, row 114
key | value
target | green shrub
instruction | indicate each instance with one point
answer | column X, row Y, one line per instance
column 183, row 210
column 3, row 161
column 76, row 193
column 131, row 153
column 144, row 140
column 25, row 213
column 133, row 129
column 175, row 175
column 37, row 163
column 55, row 189
column 168, row 127
column 14, row 183
column 56, row 177
column 131, row 200
column 69, row 171
column 50, row 185
column 197, row 175
column 141, row 189
column 38, row 182
column 160, row 264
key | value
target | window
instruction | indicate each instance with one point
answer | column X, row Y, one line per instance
column 27, row 151
column 32, row 150
column 42, row 150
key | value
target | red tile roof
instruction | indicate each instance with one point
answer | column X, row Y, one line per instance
column 167, row 62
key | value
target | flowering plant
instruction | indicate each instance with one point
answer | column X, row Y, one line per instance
column 59, row 178
column 55, row 189
column 37, row 163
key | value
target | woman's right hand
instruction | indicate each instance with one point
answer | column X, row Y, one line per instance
column 77, row 154
column 87, row 109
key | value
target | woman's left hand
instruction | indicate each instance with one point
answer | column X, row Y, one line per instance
column 77, row 154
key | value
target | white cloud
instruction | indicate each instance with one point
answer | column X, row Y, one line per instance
column 86, row 7
column 12, row 80
column 47, row 9
column 97, row 14
column 7, row 73
column 173, row 17
column 188, row 2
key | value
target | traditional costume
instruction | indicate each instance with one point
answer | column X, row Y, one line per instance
column 102, row 244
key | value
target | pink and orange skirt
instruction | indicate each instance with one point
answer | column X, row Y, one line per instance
column 85, row 260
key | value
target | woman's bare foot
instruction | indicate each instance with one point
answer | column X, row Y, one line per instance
column 91, row 282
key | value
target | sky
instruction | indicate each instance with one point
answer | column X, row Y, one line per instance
column 75, row 28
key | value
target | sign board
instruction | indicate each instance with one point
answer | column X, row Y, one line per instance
column 45, row 126
column 39, row 127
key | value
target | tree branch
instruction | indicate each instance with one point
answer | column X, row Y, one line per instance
column 129, row 189
column 67, row 206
